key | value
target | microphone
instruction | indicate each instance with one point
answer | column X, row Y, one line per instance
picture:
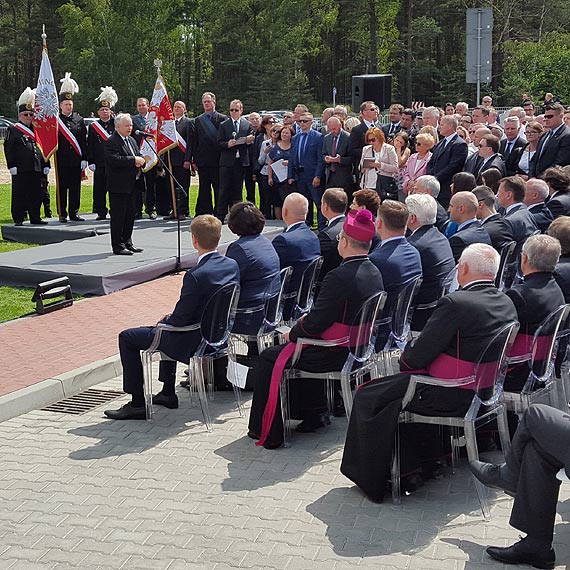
column 144, row 133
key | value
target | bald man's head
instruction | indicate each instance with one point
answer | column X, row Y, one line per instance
column 463, row 207
column 295, row 208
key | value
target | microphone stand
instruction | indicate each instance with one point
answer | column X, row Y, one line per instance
column 179, row 188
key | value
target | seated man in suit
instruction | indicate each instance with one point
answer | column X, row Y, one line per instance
column 497, row 227
column 455, row 335
column 428, row 184
column 333, row 208
column 200, row 283
column 558, row 181
column 297, row 246
column 342, row 294
column 539, row 450
column 535, row 196
column 510, row 196
column 435, row 253
column 534, row 299
column 463, row 211
column 397, row 260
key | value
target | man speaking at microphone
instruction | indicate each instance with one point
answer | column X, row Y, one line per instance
column 123, row 162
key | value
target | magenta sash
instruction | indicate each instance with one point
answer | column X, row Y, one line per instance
column 521, row 346
column 448, row 368
column 337, row 331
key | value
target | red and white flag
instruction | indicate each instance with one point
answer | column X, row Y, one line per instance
column 160, row 122
column 46, row 110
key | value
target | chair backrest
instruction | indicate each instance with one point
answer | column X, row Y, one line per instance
column 401, row 310
column 362, row 333
column 544, row 342
column 219, row 315
column 306, row 292
column 275, row 299
column 492, row 363
column 508, row 257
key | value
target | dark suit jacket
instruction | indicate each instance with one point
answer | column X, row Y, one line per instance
column 328, row 242
column 559, row 204
column 342, row 176
column 23, row 152
column 356, row 143
column 499, row 230
column 227, row 132
column 473, row 163
column 493, row 162
column 120, row 164
column 203, row 146
column 436, row 259
column 386, row 130
column 66, row 155
column 200, row 283
column 95, row 148
column 177, row 156
column 542, row 216
column 461, row 326
column 441, row 217
column 471, row 233
column 312, row 160
column 556, row 151
column 398, row 262
column 521, row 222
column 258, row 265
column 512, row 160
column 562, row 276
column 446, row 162
column 296, row 248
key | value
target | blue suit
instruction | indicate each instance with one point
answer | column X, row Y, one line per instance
column 473, row 232
column 200, row 283
column 307, row 163
column 258, row 265
column 522, row 223
column 296, row 247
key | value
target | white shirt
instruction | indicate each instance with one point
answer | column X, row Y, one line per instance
column 200, row 257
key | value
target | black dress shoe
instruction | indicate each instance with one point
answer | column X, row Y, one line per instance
column 48, row 215
column 39, row 223
column 123, row 252
column 127, row 412
column 339, row 410
column 19, row 224
column 76, row 219
column 99, row 218
column 495, row 476
column 313, row 424
column 63, row 220
column 134, row 249
column 252, row 435
column 152, row 216
column 170, row 402
column 185, row 384
column 523, row 553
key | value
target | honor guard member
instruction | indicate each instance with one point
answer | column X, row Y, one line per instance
column 99, row 132
column 71, row 153
column 25, row 162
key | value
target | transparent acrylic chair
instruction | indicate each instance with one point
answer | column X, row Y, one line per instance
column 305, row 294
column 359, row 338
column 541, row 385
column 396, row 326
column 487, row 379
column 507, row 262
column 215, row 326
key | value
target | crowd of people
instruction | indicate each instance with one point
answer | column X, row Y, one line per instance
column 426, row 193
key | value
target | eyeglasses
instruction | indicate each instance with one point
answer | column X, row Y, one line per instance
column 370, row 140
column 27, row 114
column 339, row 235
column 549, row 116
column 235, row 110
column 305, row 120
column 419, row 144
column 481, row 146
column 275, row 130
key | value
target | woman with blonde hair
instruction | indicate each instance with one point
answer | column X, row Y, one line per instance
column 378, row 164
column 417, row 163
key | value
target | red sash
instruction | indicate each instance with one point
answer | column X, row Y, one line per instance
column 181, row 142
column 70, row 137
column 25, row 130
column 337, row 331
column 100, row 130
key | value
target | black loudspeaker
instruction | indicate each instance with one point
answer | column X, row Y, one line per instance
column 377, row 88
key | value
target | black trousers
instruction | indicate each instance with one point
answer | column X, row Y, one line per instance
column 145, row 192
column 208, row 181
column 264, row 196
column 122, row 219
column 538, row 451
column 26, row 196
column 307, row 397
column 231, row 188
column 100, row 191
column 367, row 457
column 249, row 184
column 69, row 187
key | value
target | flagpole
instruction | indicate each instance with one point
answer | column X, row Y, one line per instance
column 172, row 189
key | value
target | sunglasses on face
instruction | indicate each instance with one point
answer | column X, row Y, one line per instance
column 549, row 116
column 305, row 120
column 371, row 140
column 27, row 114
column 235, row 110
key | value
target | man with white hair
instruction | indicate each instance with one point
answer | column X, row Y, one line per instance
column 461, row 108
column 535, row 195
column 455, row 335
column 435, row 252
column 512, row 145
column 428, row 184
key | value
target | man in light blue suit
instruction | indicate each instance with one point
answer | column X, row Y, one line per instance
column 307, row 167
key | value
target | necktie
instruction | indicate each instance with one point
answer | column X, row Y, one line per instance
column 333, row 153
column 302, row 144
column 236, row 127
column 509, row 149
column 392, row 129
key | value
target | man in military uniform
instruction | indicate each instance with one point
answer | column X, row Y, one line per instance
column 99, row 132
column 71, row 153
column 26, row 164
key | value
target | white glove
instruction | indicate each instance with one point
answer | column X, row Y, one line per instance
column 83, row 164
column 14, row 170
column 46, row 170
column 92, row 167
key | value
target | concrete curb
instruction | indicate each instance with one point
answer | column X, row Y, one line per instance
column 59, row 387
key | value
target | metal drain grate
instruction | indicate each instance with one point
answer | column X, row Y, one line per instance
column 83, row 402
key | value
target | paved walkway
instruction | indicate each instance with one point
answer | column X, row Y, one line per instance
column 44, row 346
column 84, row 492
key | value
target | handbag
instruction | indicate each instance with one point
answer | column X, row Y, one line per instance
column 386, row 187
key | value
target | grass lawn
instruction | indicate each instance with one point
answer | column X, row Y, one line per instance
column 15, row 302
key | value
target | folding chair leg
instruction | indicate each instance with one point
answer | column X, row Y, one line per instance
column 396, row 492
column 237, row 396
column 473, row 455
column 346, row 394
column 503, row 426
column 199, row 383
column 285, row 412
column 147, row 383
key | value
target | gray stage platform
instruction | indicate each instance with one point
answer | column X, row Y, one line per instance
column 94, row 270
